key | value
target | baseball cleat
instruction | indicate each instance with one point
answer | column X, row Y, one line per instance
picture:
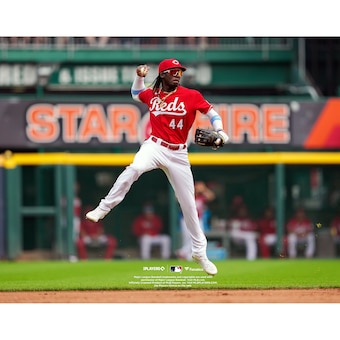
column 96, row 214
column 207, row 265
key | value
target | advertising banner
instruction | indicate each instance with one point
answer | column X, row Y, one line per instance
column 98, row 77
column 105, row 125
column 18, row 75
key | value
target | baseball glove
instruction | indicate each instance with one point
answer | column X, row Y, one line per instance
column 206, row 137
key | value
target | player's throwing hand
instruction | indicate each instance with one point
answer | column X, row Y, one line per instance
column 142, row 70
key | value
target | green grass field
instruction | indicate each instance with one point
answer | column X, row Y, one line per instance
column 157, row 274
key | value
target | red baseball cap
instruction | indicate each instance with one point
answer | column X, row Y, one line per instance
column 167, row 64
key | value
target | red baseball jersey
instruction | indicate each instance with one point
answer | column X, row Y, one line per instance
column 300, row 227
column 267, row 226
column 335, row 223
column 91, row 229
column 172, row 116
column 147, row 226
column 243, row 223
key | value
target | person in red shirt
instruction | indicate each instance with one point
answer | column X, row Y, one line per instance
column 335, row 231
column 300, row 229
column 148, row 227
column 93, row 234
column 172, row 112
column 243, row 230
column 268, row 233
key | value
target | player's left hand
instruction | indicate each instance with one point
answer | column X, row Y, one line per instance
column 221, row 139
column 223, row 136
column 207, row 137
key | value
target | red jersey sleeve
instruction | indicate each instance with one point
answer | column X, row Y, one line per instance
column 201, row 103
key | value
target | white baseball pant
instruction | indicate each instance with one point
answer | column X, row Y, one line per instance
column 147, row 241
column 176, row 166
column 250, row 240
column 293, row 241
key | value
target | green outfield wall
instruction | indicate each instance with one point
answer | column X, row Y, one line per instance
column 262, row 178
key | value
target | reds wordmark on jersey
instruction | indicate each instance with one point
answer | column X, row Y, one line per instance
column 172, row 119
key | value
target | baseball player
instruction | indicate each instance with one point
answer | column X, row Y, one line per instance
column 300, row 230
column 148, row 228
column 93, row 234
column 243, row 230
column 173, row 110
column 268, row 233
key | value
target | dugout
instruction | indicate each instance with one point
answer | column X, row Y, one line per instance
column 34, row 187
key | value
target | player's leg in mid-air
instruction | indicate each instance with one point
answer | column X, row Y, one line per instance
column 143, row 161
column 181, row 178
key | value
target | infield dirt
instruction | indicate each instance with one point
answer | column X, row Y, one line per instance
column 176, row 296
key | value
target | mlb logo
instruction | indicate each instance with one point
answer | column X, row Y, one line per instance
column 176, row 269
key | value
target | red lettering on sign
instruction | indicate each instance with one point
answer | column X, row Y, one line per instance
column 275, row 123
column 93, row 125
column 70, row 115
column 42, row 125
column 79, row 123
column 245, row 120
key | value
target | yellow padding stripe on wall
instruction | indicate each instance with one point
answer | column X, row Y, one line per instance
column 11, row 160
